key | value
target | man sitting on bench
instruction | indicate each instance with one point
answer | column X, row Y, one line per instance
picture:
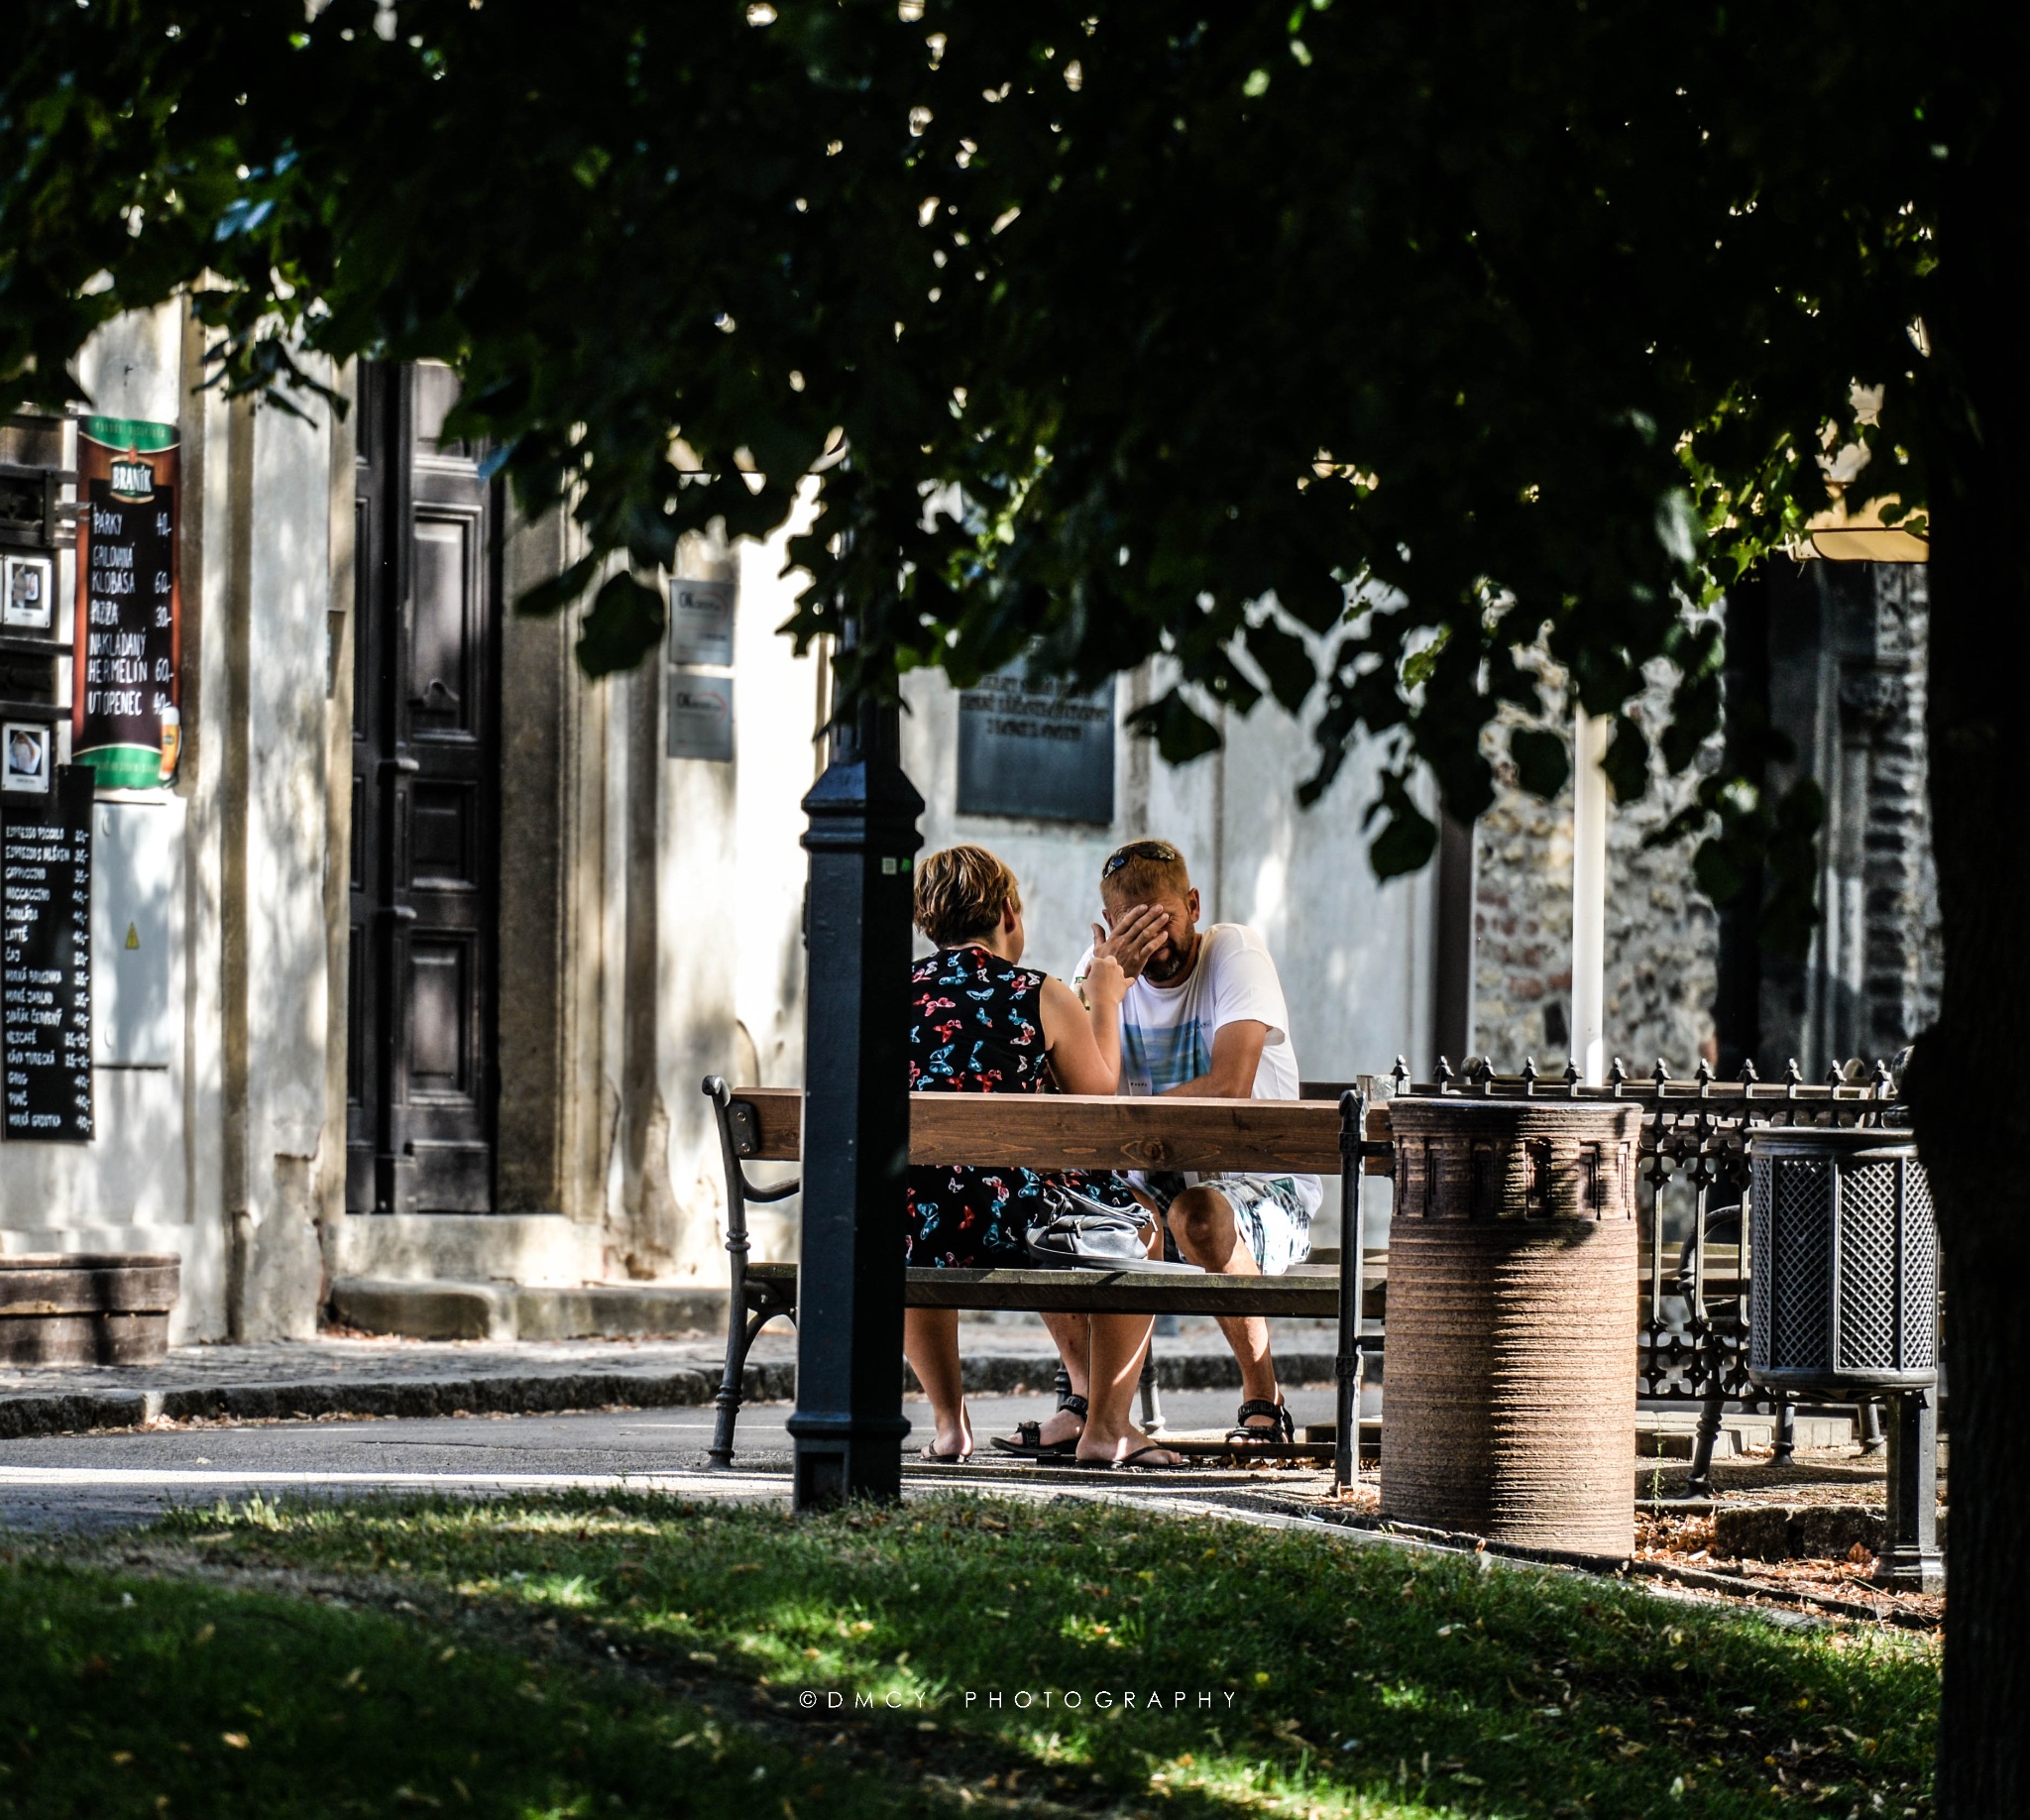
column 1204, row 1015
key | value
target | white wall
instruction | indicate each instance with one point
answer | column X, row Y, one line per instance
column 155, row 1176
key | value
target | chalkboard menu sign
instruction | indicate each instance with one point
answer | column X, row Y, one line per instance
column 128, row 600
column 1031, row 751
column 46, row 958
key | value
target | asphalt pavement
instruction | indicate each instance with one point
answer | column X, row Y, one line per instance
column 114, row 1479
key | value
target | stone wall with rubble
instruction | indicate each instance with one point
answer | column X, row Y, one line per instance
column 1662, row 936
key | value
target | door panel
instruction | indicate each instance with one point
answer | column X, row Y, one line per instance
column 425, row 807
column 441, row 1012
column 449, row 632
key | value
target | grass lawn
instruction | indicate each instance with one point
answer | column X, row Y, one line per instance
column 598, row 1654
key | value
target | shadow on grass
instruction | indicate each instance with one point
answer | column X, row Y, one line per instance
column 965, row 1649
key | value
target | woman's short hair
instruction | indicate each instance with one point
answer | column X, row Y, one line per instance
column 961, row 893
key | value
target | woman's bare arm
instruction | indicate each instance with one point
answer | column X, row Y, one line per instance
column 1085, row 1040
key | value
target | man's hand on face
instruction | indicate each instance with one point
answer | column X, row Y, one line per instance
column 1137, row 933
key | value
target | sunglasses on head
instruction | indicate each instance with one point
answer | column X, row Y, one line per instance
column 1159, row 850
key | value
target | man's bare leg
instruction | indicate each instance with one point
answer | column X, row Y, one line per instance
column 930, row 1341
column 1120, row 1342
column 1201, row 1221
column 1073, row 1335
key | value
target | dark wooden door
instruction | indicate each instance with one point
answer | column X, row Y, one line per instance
column 423, row 1083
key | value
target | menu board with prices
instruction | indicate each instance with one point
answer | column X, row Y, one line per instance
column 128, row 601
column 46, row 958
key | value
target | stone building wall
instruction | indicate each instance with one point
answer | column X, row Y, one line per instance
column 1847, row 688
column 1663, row 937
column 1905, row 948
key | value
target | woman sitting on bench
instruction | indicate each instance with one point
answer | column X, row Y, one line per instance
column 981, row 1024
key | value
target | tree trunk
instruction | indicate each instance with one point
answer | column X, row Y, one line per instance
column 1968, row 1082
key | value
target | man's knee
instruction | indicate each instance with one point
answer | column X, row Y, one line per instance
column 1201, row 1220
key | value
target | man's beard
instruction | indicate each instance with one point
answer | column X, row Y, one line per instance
column 1167, row 963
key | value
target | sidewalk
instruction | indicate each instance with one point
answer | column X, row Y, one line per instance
column 368, row 1377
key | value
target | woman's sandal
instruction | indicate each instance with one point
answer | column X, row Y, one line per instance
column 932, row 1457
column 1241, row 1434
column 1131, row 1462
column 1029, row 1443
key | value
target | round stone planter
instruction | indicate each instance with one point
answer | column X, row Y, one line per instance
column 1509, row 1368
column 87, row 1310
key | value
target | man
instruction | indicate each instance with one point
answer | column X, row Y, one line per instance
column 1204, row 1016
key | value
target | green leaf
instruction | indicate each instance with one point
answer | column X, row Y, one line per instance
column 1627, row 763
column 1405, row 843
column 1181, row 733
column 624, row 624
column 1542, row 761
column 553, row 596
column 1285, row 660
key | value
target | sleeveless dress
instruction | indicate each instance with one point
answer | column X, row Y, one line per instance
column 976, row 1026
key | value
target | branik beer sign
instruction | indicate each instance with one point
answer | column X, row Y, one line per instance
column 129, row 605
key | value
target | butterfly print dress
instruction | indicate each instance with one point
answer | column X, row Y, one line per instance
column 976, row 1026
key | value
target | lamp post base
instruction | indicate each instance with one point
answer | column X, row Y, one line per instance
column 844, row 1461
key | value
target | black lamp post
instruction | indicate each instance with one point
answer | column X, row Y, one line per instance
column 848, row 1423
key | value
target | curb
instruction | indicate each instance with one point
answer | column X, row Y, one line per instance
column 548, row 1393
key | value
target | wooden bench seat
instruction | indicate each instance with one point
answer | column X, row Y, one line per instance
column 1304, row 1294
column 1052, row 1131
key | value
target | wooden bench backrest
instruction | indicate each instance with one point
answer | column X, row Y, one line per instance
column 1071, row 1130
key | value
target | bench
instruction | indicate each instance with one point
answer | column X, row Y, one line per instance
column 1047, row 1131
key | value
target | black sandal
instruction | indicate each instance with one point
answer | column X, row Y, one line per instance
column 1029, row 1443
column 1241, row 1434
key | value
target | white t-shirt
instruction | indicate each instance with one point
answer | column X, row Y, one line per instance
column 1167, row 1031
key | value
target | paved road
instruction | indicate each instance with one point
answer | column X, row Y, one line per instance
column 109, row 1480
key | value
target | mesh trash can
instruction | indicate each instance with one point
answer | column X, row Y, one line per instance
column 1843, row 1262
column 1508, row 1369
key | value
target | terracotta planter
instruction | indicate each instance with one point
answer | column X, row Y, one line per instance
column 87, row 1310
column 1510, row 1363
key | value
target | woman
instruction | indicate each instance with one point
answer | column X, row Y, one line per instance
column 981, row 1024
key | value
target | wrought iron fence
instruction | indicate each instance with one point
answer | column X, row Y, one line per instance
column 1693, row 1169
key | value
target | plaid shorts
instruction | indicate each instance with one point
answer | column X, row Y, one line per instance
column 1267, row 1215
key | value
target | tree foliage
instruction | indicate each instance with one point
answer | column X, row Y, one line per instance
column 1365, row 356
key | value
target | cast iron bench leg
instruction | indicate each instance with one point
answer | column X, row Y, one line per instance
column 1787, row 1429
column 1152, row 1400
column 1353, row 1241
column 742, row 1327
column 747, row 1310
column 1700, row 1484
column 1871, row 1439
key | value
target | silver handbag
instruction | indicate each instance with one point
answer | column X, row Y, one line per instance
column 1079, row 1231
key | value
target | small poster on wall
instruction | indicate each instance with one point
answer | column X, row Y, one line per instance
column 129, row 601
column 25, row 758
column 25, row 587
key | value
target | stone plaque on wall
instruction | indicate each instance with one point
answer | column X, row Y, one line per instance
column 1025, row 750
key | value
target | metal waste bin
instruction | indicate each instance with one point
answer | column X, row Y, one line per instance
column 1844, row 1262
column 1843, row 1299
